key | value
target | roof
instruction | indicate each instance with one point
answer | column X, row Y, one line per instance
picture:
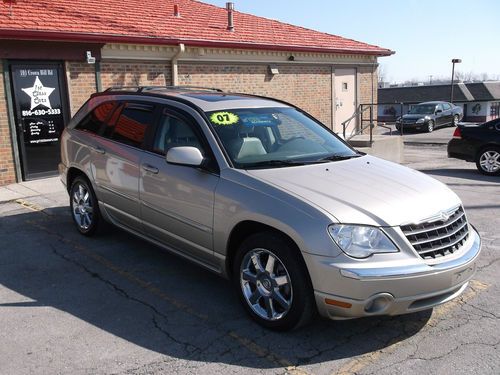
column 462, row 92
column 154, row 22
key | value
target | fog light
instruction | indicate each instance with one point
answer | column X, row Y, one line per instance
column 379, row 303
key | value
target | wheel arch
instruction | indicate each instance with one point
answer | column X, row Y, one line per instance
column 246, row 228
column 74, row 172
column 481, row 149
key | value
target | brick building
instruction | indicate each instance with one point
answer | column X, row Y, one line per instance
column 53, row 55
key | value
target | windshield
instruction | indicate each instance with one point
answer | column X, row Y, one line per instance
column 274, row 137
column 424, row 109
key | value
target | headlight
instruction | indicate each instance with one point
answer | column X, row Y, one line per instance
column 420, row 120
column 360, row 241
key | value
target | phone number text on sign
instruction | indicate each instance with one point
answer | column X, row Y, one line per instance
column 42, row 112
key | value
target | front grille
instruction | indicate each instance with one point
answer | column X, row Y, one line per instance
column 438, row 238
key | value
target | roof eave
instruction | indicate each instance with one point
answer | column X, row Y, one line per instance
column 112, row 38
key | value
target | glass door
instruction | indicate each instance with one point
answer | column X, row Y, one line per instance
column 39, row 95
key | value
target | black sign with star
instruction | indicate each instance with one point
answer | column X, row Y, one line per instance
column 38, row 103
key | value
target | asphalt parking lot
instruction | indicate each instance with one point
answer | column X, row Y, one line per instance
column 114, row 304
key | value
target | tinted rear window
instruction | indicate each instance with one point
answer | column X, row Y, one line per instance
column 93, row 122
column 131, row 124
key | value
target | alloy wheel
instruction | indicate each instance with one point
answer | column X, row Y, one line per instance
column 455, row 120
column 430, row 126
column 266, row 284
column 82, row 207
column 490, row 161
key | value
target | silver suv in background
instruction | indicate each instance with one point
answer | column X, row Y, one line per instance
column 260, row 192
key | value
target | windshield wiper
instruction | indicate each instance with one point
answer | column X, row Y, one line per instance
column 279, row 163
column 337, row 157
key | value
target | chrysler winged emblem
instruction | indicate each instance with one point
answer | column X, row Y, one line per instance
column 444, row 216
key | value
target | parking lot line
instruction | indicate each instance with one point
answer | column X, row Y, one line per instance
column 245, row 342
column 357, row 364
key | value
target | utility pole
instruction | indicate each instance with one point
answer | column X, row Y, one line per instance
column 453, row 62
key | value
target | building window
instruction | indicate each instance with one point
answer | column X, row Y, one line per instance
column 495, row 109
column 344, row 86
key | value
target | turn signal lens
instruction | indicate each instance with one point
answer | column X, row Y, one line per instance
column 334, row 302
column 457, row 133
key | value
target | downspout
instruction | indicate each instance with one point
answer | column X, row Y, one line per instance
column 175, row 58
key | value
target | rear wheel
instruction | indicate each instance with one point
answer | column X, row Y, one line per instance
column 488, row 161
column 430, row 126
column 455, row 120
column 272, row 282
column 84, row 207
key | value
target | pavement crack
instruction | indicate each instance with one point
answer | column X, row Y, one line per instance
column 120, row 291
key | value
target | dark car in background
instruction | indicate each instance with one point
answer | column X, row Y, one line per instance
column 429, row 116
column 479, row 144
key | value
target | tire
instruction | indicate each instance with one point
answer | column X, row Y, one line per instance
column 277, row 295
column 84, row 207
column 488, row 161
column 455, row 121
column 430, row 126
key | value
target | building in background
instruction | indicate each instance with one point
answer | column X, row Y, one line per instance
column 53, row 55
column 480, row 101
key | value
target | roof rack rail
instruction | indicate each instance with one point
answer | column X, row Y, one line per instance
column 194, row 88
column 133, row 88
column 145, row 88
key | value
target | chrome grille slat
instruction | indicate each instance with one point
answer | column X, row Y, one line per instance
column 437, row 227
column 447, row 235
column 434, row 239
column 444, row 247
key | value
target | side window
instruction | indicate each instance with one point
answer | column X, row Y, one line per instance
column 439, row 107
column 129, row 126
column 173, row 131
column 446, row 106
column 93, row 122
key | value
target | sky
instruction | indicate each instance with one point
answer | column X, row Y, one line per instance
column 425, row 34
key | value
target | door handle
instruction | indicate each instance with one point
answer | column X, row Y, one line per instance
column 98, row 149
column 150, row 168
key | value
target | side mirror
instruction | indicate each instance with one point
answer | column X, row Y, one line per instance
column 438, row 111
column 185, row 155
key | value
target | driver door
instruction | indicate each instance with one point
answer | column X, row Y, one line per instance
column 177, row 202
column 440, row 117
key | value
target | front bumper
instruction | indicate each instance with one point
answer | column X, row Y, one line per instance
column 363, row 291
column 412, row 125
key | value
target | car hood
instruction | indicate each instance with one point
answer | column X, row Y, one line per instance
column 364, row 190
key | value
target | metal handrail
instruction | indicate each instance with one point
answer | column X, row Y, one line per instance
column 359, row 111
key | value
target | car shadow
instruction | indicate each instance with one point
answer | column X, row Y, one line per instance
column 155, row 300
column 467, row 174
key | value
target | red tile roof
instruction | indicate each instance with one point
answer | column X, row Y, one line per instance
column 153, row 21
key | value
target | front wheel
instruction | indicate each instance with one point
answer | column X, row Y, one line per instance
column 84, row 207
column 430, row 126
column 272, row 282
column 488, row 161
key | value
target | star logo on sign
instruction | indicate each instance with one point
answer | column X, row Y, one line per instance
column 39, row 94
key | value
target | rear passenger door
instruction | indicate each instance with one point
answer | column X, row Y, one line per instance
column 177, row 202
column 116, row 157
